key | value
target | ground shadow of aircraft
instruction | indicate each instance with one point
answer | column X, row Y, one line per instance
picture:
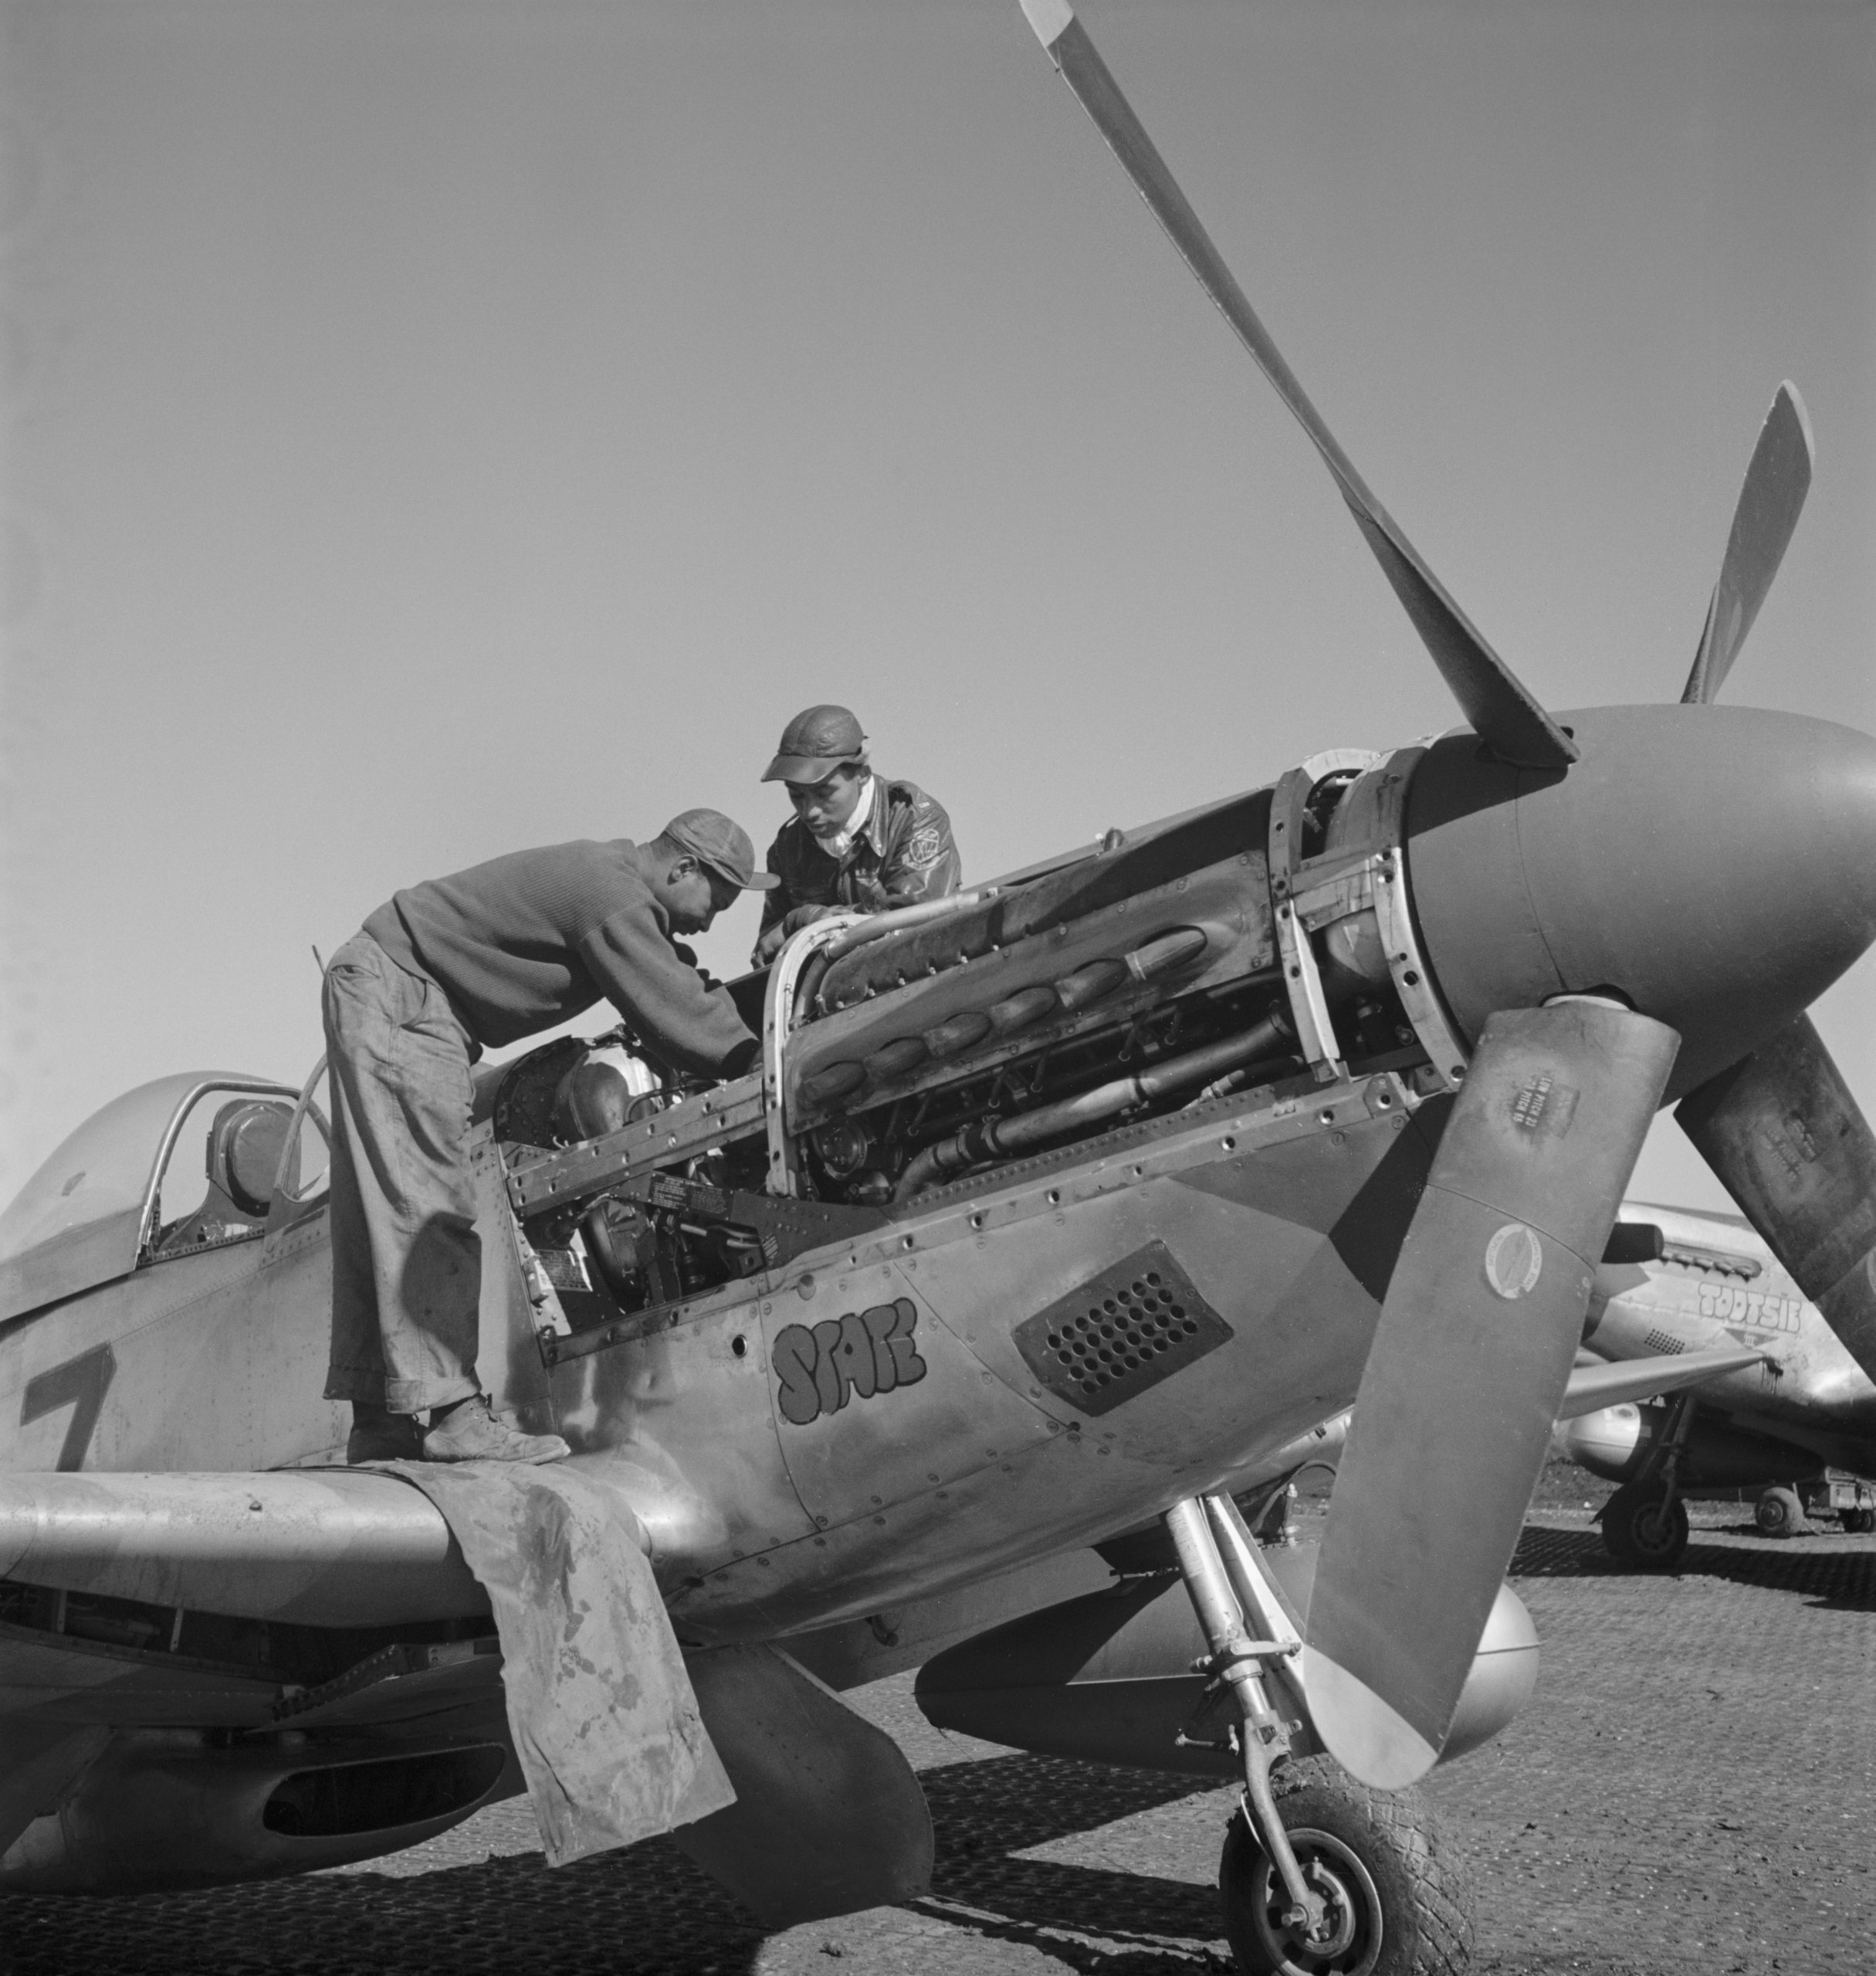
column 1838, row 1580
column 1048, row 1209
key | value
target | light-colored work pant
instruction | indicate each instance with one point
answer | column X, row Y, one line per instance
column 406, row 1258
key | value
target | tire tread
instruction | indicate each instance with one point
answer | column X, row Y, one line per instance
column 1443, row 1892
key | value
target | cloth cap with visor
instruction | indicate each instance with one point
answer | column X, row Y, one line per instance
column 720, row 845
column 815, row 743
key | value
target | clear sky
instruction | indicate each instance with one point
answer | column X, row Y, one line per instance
column 431, row 429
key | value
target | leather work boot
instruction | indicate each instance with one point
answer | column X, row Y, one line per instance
column 379, row 1435
column 471, row 1433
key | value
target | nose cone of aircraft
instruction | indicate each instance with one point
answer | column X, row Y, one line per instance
column 1715, row 865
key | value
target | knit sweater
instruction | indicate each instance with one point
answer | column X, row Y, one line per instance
column 527, row 941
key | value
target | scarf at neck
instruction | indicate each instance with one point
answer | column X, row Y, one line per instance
column 840, row 842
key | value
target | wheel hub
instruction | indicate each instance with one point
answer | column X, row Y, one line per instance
column 1348, row 1941
column 1652, row 1529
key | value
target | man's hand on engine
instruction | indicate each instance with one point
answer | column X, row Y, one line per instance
column 776, row 937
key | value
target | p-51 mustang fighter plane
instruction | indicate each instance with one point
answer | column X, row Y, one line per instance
column 1051, row 1208
column 1798, row 1425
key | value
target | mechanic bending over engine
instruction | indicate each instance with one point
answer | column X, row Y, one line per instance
column 855, row 841
column 486, row 957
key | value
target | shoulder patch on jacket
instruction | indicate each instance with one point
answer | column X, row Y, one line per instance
column 924, row 846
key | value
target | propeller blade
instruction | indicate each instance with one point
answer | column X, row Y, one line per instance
column 1771, row 499
column 1469, row 1370
column 1490, row 695
column 1792, row 1146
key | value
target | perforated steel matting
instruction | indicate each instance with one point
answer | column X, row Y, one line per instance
column 1138, row 1322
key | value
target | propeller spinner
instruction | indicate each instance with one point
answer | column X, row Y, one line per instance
column 1619, row 905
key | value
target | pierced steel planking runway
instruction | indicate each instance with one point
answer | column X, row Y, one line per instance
column 1693, row 1789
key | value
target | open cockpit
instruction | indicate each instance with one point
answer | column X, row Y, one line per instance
column 183, row 1164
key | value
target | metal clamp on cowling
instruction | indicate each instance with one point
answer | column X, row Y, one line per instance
column 1394, row 917
column 1228, row 1586
column 1302, row 981
column 1353, row 898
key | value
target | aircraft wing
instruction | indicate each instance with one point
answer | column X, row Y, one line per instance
column 1594, row 1387
column 321, row 1547
column 357, row 1605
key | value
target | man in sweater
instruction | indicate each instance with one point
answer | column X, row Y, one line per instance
column 486, row 957
column 856, row 841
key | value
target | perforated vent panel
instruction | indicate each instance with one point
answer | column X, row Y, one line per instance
column 1134, row 1324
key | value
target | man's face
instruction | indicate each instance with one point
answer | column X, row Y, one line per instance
column 827, row 806
column 694, row 895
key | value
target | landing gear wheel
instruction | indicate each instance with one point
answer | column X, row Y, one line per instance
column 1395, row 1906
column 1857, row 1523
column 1642, row 1529
column 1778, row 1513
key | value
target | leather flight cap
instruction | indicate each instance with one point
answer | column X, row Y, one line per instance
column 814, row 744
column 722, row 845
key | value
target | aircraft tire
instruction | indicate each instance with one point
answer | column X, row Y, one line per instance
column 1778, row 1513
column 1404, row 1908
column 1642, row 1530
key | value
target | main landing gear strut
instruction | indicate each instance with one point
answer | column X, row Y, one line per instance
column 1319, row 1876
column 1644, row 1523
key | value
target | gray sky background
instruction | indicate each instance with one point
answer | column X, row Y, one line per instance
column 431, row 429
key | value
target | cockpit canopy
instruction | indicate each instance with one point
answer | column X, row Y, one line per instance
column 95, row 1209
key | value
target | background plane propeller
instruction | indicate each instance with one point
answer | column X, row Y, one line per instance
column 1428, row 1505
column 1780, row 1128
column 1793, row 1147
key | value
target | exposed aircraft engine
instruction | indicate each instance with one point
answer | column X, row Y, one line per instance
column 917, row 1051
column 576, row 1087
column 1358, row 920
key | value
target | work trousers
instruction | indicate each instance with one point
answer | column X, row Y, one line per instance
column 406, row 1258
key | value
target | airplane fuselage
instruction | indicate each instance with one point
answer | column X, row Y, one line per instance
column 1718, row 1283
column 862, row 1425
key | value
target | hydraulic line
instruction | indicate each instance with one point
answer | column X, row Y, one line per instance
column 993, row 1138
